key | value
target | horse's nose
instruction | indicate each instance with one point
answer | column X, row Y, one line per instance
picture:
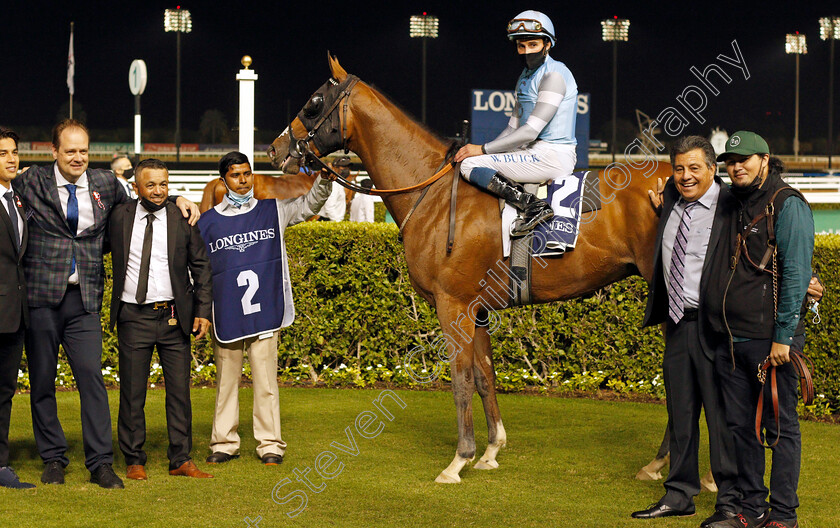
column 271, row 152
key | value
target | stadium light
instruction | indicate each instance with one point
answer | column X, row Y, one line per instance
column 179, row 21
column 423, row 26
column 795, row 44
column 615, row 30
column 830, row 30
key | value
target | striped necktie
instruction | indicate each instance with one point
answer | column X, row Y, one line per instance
column 676, row 280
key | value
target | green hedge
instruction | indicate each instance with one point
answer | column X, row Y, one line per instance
column 358, row 317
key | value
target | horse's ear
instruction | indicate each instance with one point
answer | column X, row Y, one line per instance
column 338, row 72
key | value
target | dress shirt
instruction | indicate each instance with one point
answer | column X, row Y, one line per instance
column 85, row 207
column 126, row 187
column 336, row 205
column 361, row 208
column 702, row 218
column 160, row 285
column 13, row 214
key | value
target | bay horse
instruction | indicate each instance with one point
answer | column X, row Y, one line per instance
column 615, row 242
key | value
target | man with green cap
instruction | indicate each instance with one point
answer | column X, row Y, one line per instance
column 773, row 230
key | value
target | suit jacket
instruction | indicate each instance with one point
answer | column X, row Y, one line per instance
column 48, row 259
column 187, row 256
column 12, row 281
column 656, row 310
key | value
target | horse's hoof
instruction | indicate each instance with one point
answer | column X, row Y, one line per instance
column 488, row 464
column 445, row 478
column 643, row 474
column 707, row 483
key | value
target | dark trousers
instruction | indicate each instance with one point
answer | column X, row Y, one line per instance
column 690, row 385
column 80, row 333
column 11, row 350
column 140, row 330
column 741, row 390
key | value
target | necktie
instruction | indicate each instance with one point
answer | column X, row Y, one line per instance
column 676, row 306
column 145, row 261
column 13, row 216
column 72, row 219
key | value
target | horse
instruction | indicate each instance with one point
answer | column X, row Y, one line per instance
column 267, row 187
column 615, row 242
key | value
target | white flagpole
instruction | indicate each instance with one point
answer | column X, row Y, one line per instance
column 71, row 70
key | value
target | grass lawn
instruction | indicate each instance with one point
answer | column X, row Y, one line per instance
column 569, row 463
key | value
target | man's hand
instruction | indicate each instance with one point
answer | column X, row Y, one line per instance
column 779, row 354
column 467, row 151
column 200, row 325
column 815, row 289
column 656, row 197
column 327, row 175
column 188, row 209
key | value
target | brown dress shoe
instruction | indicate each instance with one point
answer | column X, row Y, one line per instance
column 136, row 472
column 188, row 469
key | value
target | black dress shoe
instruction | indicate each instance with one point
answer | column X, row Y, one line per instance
column 53, row 473
column 717, row 518
column 106, row 478
column 661, row 510
column 218, row 458
column 272, row 460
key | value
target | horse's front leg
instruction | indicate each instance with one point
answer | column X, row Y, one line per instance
column 459, row 334
column 485, row 383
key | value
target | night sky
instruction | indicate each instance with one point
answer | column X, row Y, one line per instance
column 289, row 41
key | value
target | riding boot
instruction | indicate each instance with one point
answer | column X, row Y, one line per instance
column 531, row 209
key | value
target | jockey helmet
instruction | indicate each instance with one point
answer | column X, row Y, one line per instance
column 531, row 24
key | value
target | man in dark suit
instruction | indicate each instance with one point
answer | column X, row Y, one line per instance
column 14, row 314
column 155, row 304
column 694, row 214
column 67, row 208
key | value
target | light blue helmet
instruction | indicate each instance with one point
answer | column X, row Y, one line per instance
column 531, row 24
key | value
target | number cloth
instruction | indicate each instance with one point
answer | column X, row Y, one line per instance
column 247, row 255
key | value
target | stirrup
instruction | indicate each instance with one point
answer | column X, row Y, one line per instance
column 521, row 227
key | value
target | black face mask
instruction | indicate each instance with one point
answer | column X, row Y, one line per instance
column 128, row 174
column 151, row 206
column 532, row 61
column 744, row 192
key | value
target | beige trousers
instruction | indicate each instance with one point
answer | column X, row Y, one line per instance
column 262, row 353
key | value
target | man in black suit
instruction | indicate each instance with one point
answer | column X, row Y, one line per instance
column 694, row 214
column 67, row 208
column 155, row 304
column 14, row 314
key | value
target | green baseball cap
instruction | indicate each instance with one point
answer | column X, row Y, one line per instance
column 744, row 143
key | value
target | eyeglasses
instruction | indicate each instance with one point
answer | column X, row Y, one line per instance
column 525, row 24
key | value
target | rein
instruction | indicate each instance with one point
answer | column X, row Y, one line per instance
column 315, row 160
column 806, row 384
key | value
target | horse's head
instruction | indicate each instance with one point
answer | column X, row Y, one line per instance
column 320, row 127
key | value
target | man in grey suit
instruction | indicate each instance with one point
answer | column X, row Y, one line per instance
column 694, row 214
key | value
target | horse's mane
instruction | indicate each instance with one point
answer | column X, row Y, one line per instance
column 451, row 145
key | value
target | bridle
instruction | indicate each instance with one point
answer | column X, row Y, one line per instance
column 300, row 149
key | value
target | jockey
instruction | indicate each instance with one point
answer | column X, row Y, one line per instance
column 539, row 142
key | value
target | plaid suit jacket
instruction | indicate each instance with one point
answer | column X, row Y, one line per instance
column 51, row 246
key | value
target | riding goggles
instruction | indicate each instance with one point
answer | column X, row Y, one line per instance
column 525, row 25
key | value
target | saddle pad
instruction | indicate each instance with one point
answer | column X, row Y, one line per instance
column 565, row 195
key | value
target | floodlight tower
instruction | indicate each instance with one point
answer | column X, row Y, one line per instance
column 423, row 26
column 615, row 30
column 795, row 44
column 179, row 21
